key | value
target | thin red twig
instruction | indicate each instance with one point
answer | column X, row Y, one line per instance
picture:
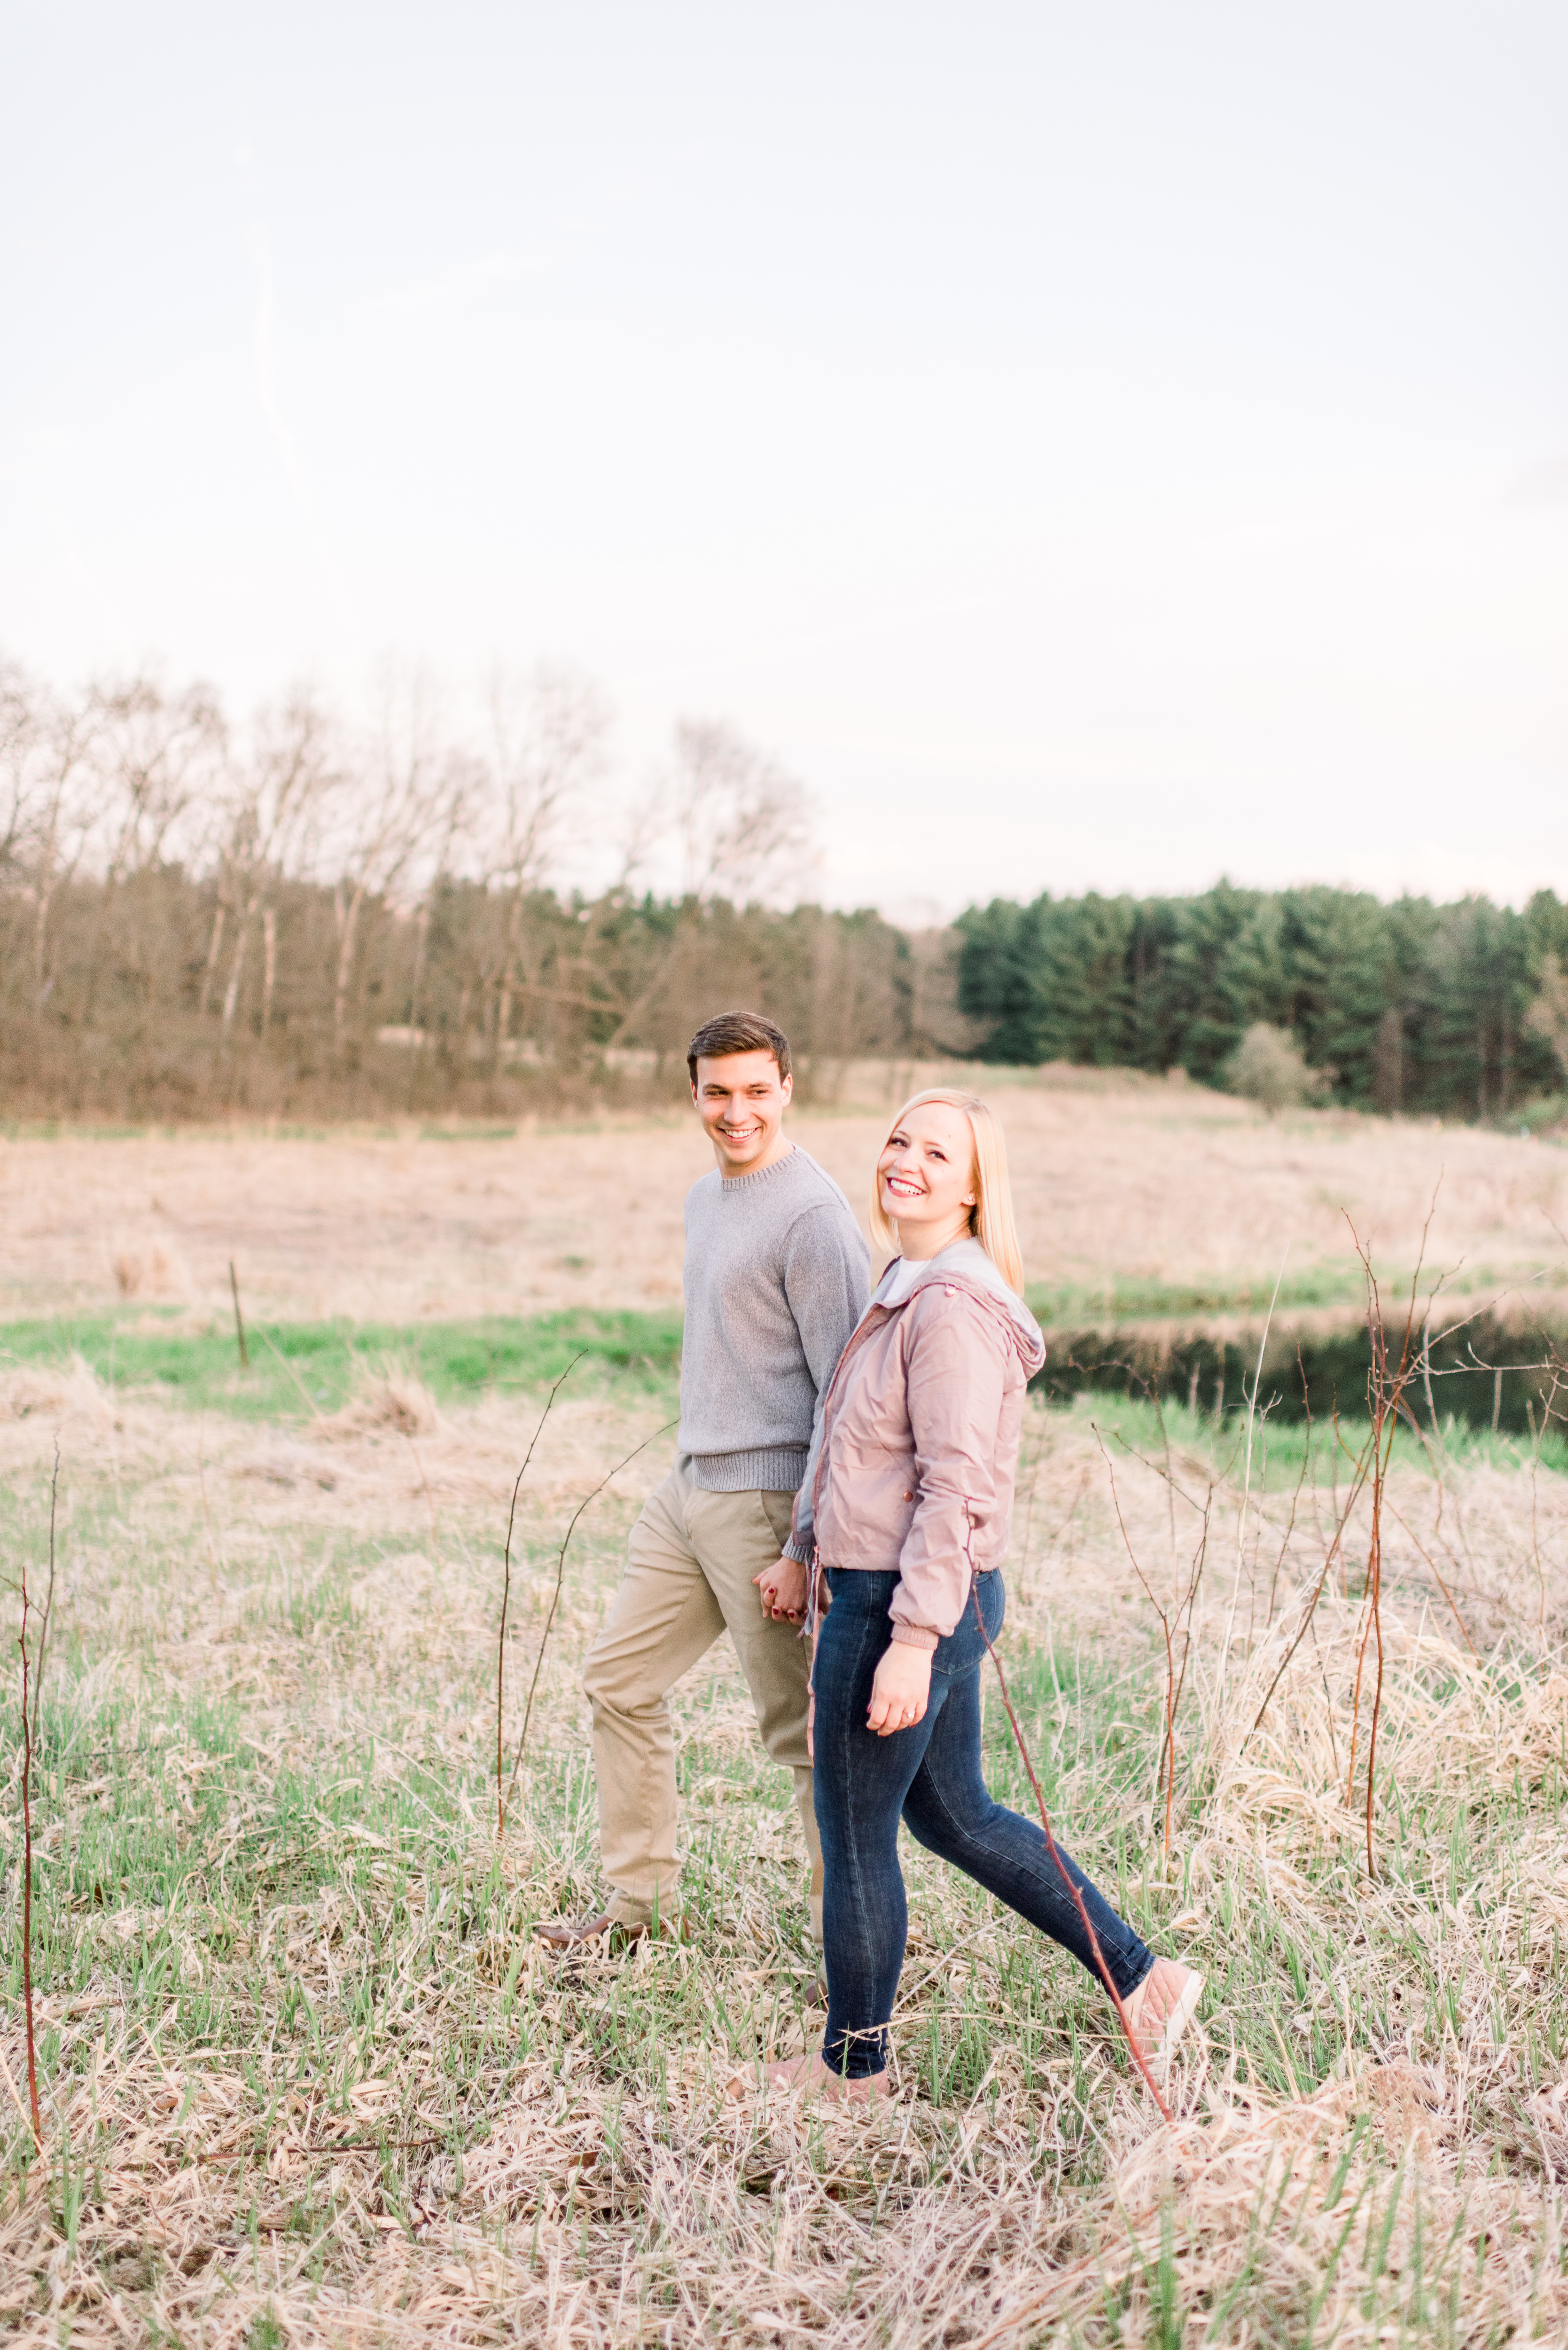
column 1295, row 1497
column 560, row 1578
column 1442, row 1587
column 1362, row 1466
column 1386, row 1392
column 506, row 1596
column 1200, row 1559
column 1052, row 1846
column 1168, row 1766
column 28, row 1878
column 49, row 1600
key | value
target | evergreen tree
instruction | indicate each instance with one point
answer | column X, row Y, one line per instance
column 1336, row 950
column 1152, row 1037
column 999, row 976
column 1253, row 974
column 1410, row 1006
column 1206, row 1021
column 1086, row 1000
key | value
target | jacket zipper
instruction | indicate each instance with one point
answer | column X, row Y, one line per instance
column 858, row 1340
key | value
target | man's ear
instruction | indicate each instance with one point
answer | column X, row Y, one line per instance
column 786, row 1088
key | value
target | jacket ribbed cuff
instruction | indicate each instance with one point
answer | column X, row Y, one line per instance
column 915, row 1635
column 776, row 1468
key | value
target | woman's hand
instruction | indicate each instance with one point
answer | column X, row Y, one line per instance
column 782, row 1589
column 900, row 1689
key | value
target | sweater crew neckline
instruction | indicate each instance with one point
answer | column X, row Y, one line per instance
column 758, row 1174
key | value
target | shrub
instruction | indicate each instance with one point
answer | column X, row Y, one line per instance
column 1269, row 1066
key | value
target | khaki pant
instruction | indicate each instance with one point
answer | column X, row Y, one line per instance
column 690, row 1559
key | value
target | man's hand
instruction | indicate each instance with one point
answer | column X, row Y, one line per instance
column 900, row 1689
column 782, row 1589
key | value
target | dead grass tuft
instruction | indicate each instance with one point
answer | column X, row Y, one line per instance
column 151, row 1271
column 398, row 1403
column 71, row 1394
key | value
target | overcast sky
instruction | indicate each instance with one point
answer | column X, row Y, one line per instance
column 1092, row 444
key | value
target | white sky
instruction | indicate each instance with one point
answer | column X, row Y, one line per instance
column 1093, row 445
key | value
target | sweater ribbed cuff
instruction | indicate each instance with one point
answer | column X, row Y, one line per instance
column 915, row 1635
column 777, row 1468
column 799, row 1547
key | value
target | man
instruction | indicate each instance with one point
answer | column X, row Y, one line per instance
column 776, row 1278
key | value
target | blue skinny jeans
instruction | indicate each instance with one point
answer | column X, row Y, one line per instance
column 929, row 1775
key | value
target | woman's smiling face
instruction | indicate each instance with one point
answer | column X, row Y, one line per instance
column 926, row 1172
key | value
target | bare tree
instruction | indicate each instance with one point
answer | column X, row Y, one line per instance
column 19, row 698
column 49, row 804
column 163, row 758
column 550, row 738
column 280, row 794
column 415, row 796
column 159, row 765
column 153, row 873
column 742, row 827
column 744, row 823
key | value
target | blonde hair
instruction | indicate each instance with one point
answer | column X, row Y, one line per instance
column 990, row 1220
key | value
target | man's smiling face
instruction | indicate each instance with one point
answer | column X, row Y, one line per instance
column 741, row 1099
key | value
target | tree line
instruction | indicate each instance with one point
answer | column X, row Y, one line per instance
column 303, row 917
column 1458, row 1009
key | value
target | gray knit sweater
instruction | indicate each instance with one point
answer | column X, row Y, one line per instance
column 776, row 1278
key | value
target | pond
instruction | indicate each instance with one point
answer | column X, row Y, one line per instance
column 1483, row 1371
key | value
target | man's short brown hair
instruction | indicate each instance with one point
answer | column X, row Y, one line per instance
column 737, row 1032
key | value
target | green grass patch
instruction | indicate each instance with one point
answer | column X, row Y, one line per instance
column 1282, row 1448
column 1136, row 1298
column 1139, row 1298
column 57, row 1129
column 432, row 1133
column 299, row 1368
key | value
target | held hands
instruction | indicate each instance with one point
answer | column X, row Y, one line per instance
column 901, row 1686
column 782, row 1587
column 900, row 1689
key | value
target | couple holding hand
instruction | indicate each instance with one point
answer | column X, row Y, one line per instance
column 853, row 1463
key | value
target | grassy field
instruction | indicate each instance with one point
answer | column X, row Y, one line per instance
column 307, row 2078
column 1135, row 1197
column 317, row 1367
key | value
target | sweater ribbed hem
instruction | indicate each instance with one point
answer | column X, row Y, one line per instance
column 777, row 1468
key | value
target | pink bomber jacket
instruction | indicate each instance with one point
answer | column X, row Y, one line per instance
column 916, row 1454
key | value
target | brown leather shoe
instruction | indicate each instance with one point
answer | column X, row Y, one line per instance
column 578, row 1933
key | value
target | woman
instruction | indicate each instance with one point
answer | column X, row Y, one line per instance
column 908, row 1500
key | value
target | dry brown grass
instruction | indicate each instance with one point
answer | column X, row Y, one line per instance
column 1117, row 1179
column 1372, row 2140
column 310, row 2080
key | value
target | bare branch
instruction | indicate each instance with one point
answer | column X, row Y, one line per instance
column 742, row 823
column 549, row 737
